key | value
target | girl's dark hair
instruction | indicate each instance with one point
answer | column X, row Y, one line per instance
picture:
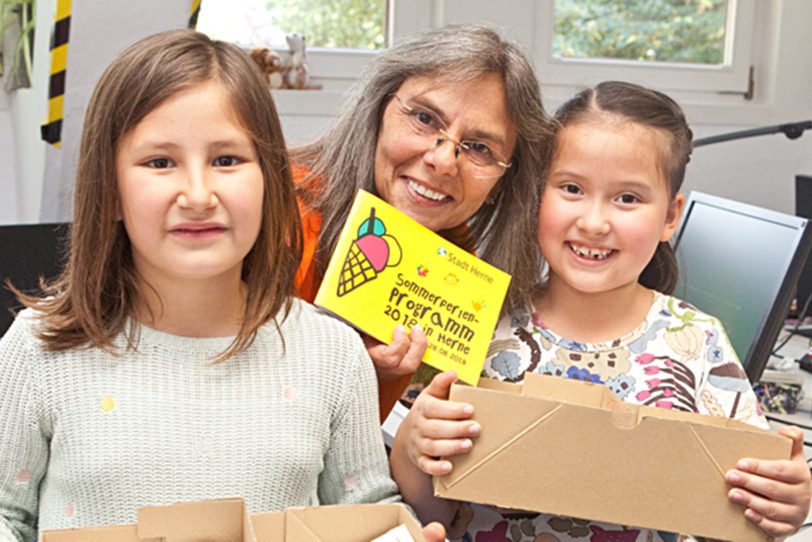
column 655, row 110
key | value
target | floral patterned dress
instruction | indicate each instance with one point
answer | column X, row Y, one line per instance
column 678, row 358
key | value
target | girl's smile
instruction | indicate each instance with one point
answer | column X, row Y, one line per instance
column 589, row 253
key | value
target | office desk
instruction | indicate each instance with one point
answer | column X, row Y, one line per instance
column 796, row 347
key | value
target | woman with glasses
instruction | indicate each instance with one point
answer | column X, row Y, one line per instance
column 447, row 126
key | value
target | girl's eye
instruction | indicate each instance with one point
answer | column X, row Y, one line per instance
column 571, row 189
column 159, row 163
column 226, row 161
column 629, row 199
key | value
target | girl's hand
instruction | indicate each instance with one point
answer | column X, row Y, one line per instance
column 434, row 532
column 438, row 428
column 776, row 493
column 400, row 357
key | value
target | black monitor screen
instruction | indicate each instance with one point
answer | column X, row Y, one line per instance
column 27, row 252
column 803, row 208
column 740, row 263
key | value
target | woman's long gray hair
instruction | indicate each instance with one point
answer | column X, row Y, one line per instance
column 343, row 159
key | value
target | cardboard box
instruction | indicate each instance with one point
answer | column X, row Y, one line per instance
column 571, row 448
column 227, row 520
column 224, row 520
column 338, row 523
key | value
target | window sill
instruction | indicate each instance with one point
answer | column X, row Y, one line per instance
column 308, row 103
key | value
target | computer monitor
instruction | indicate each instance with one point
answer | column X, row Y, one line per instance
column 27, row 252
column 740, row 263
column 803, row 208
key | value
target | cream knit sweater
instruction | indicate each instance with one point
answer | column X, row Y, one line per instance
column 86, row 437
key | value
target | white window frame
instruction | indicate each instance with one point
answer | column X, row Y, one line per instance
column 404, row 17
column 336, row 69
column 732, row 77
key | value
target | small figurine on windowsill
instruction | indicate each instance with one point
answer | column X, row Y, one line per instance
column 297, row 75
column 285, row 71
column 272, row 66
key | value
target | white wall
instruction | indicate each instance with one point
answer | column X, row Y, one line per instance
column 8, row 188
column 758, row 170
column 8, row 159
column 29, row 108
column 22, row 152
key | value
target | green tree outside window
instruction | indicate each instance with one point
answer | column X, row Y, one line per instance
column 352, row 24
column 683, row 31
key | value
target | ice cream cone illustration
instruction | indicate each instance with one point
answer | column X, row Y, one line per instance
column 371, row 252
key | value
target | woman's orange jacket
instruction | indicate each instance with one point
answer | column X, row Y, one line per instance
column 308, row 280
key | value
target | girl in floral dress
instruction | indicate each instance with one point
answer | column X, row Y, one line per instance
column 603, row 314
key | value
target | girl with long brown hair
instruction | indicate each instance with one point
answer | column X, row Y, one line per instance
column 170, row 361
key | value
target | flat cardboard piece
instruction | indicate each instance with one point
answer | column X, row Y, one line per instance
column 338, row 523
column 209, row 521
column 571, row 448
column 227, row 520
column 387, row 269
column 120, row 533
column 224, row 520
column 269, row 526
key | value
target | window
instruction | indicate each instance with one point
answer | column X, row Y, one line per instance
column 339, row 32
column 691, row 45
column 347, row 24
column 338, row 42
column 691, row 32
column 342, row 35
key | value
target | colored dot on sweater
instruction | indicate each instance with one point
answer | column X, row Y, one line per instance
column 108, row 403
column 204, row 446
column 289, row 393
column 70, row 510
column 23, row 476
column 350, row 481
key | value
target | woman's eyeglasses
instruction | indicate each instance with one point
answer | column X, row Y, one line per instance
column 425, row 123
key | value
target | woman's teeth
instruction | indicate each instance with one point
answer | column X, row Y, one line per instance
column 591, row 253
column 426, row 192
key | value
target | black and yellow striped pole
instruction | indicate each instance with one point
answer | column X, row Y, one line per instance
column 52, row 130
column 195, row 13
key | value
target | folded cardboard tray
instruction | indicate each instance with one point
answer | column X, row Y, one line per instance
column 572, row 448
column 338, row 523
column 227, row 520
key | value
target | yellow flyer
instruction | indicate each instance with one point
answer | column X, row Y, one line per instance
column 387, row 270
